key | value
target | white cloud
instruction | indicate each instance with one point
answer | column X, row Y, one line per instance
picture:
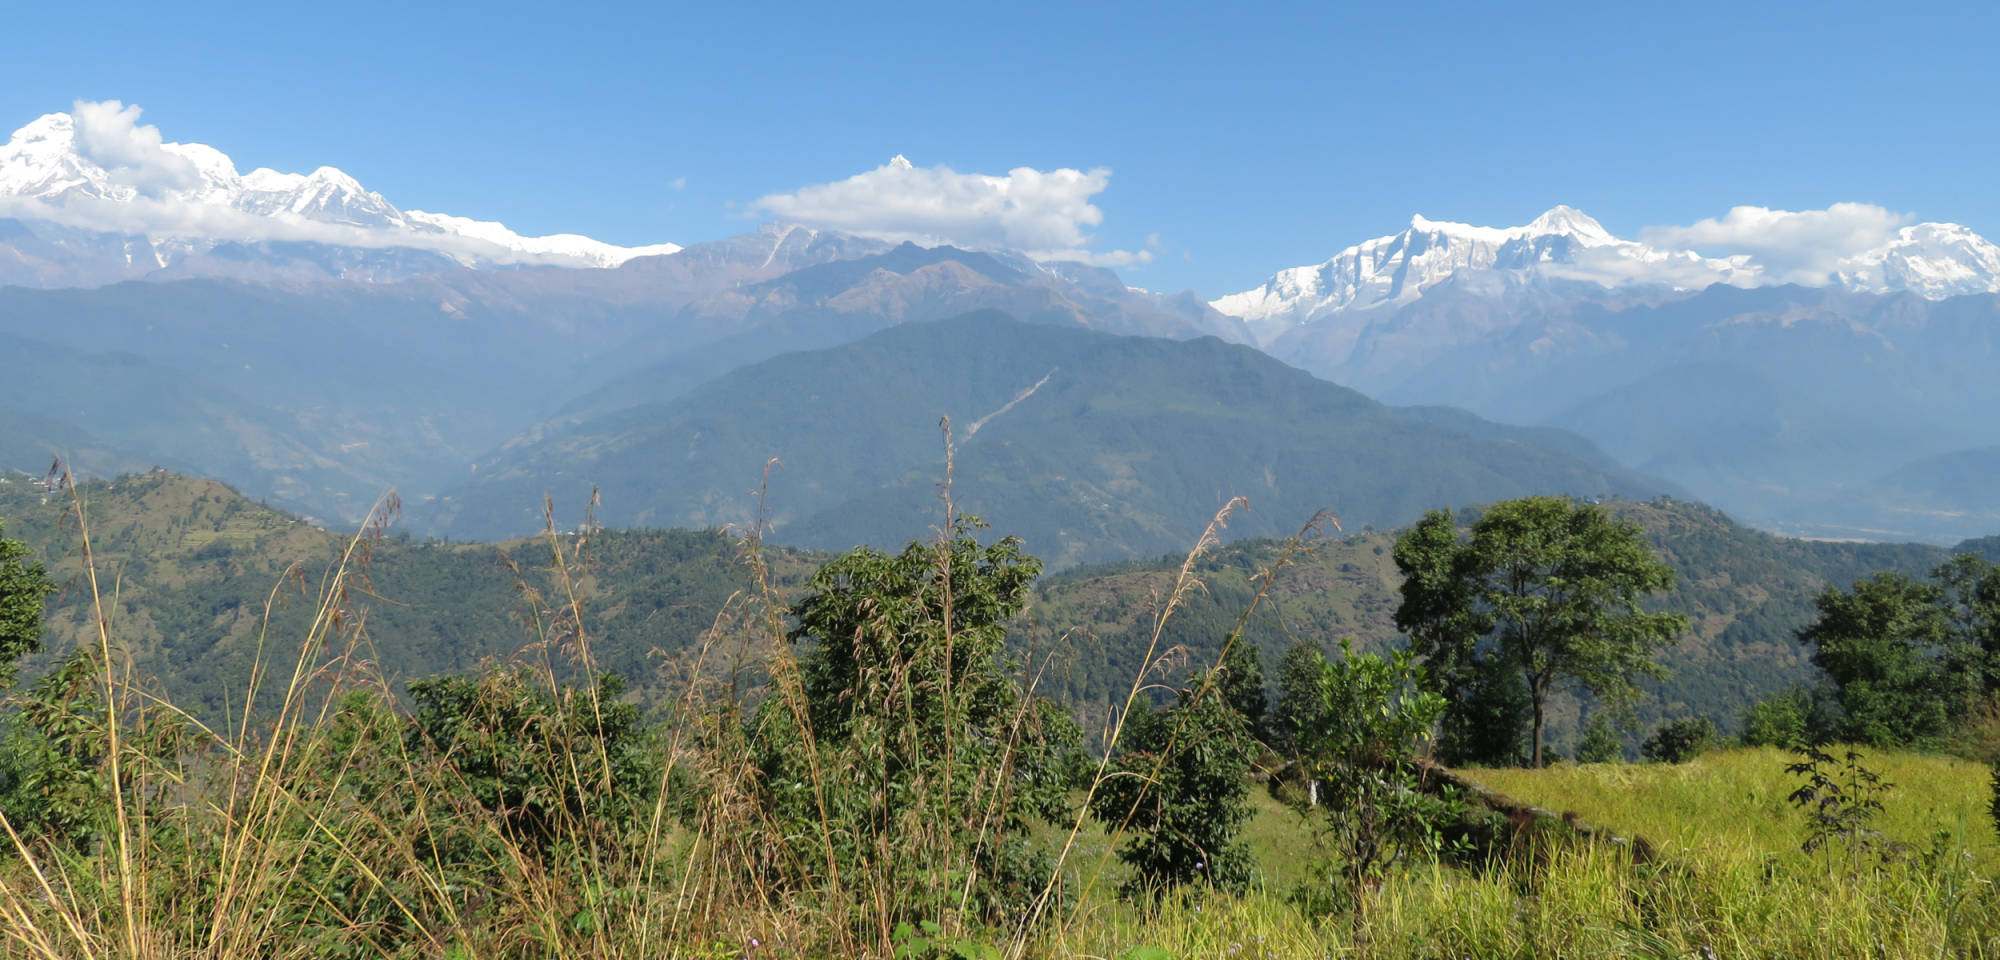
column 677, row 183
column 1686, row 271
column 1044, row 214
column 1802, row 246
column 110, row 135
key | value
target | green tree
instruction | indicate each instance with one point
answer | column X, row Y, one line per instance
column 24, row 587
column 1601, row 742
column 907, row 757
column 1365, row 730
column 1243, row 684
column 1549, row 586
column 1678, row 741
column 1877, row 642
column 1781, row 719
column 1298, row 696
column 1969, row 592
column 1179, row 785
column 551, row 764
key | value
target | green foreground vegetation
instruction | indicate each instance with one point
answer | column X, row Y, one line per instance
column 857, row 755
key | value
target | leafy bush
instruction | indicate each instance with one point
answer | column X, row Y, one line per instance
column 24, row 586
column 899, row 758
column 1782, row 719
column 541, row 761
column 1993, row 798
column 56, row 778
column 1679, row 741
column 1364, row 727
column 1839, row 801
column 1179, row 785
column 1601, row 742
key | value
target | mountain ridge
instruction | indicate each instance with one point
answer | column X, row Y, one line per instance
column 1565, row 248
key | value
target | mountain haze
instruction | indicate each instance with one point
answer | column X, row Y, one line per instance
column 1090, row 446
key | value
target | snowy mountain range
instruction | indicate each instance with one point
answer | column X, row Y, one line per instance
column 97, row 171
column 1566, row 247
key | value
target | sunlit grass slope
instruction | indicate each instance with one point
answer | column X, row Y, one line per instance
column 1736, row 800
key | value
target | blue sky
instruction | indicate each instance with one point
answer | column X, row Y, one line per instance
column 1237, row 141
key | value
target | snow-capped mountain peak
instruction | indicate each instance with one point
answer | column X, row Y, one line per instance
column 99, row 169
column 1934, row 260
column 1570, row 222
column 1563, row 243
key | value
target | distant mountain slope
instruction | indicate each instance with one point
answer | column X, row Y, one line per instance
column 113, row 412
column 1783, row 405
column 30, row 443
column 1092, row 447
column 402, row 385
column 323, row 400
column 1961, row 487
column 834, row 302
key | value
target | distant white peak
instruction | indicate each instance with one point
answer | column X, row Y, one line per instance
column 44, row 162
column 1932, row 260
column 1562, row 245
column 1571, row 222
column 47, row 125
column 900, row 162
column 1559, row 220
column 40, row 160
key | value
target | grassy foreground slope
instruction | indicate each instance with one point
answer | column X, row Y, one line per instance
column 1733, row 803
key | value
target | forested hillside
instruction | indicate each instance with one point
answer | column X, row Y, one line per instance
column 188, row 566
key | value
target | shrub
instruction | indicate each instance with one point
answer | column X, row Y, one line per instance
column 1783, row 719
column 1679, row 741
column 1601, row 742
column 899, row 760
column 540, row 760
column 1180, row 785
column 24, row 585
column 1362, row 734
column 1839, row 801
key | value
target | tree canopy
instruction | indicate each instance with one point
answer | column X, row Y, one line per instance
column 24, row 585
column 1906, row 655
column 1543, row 589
